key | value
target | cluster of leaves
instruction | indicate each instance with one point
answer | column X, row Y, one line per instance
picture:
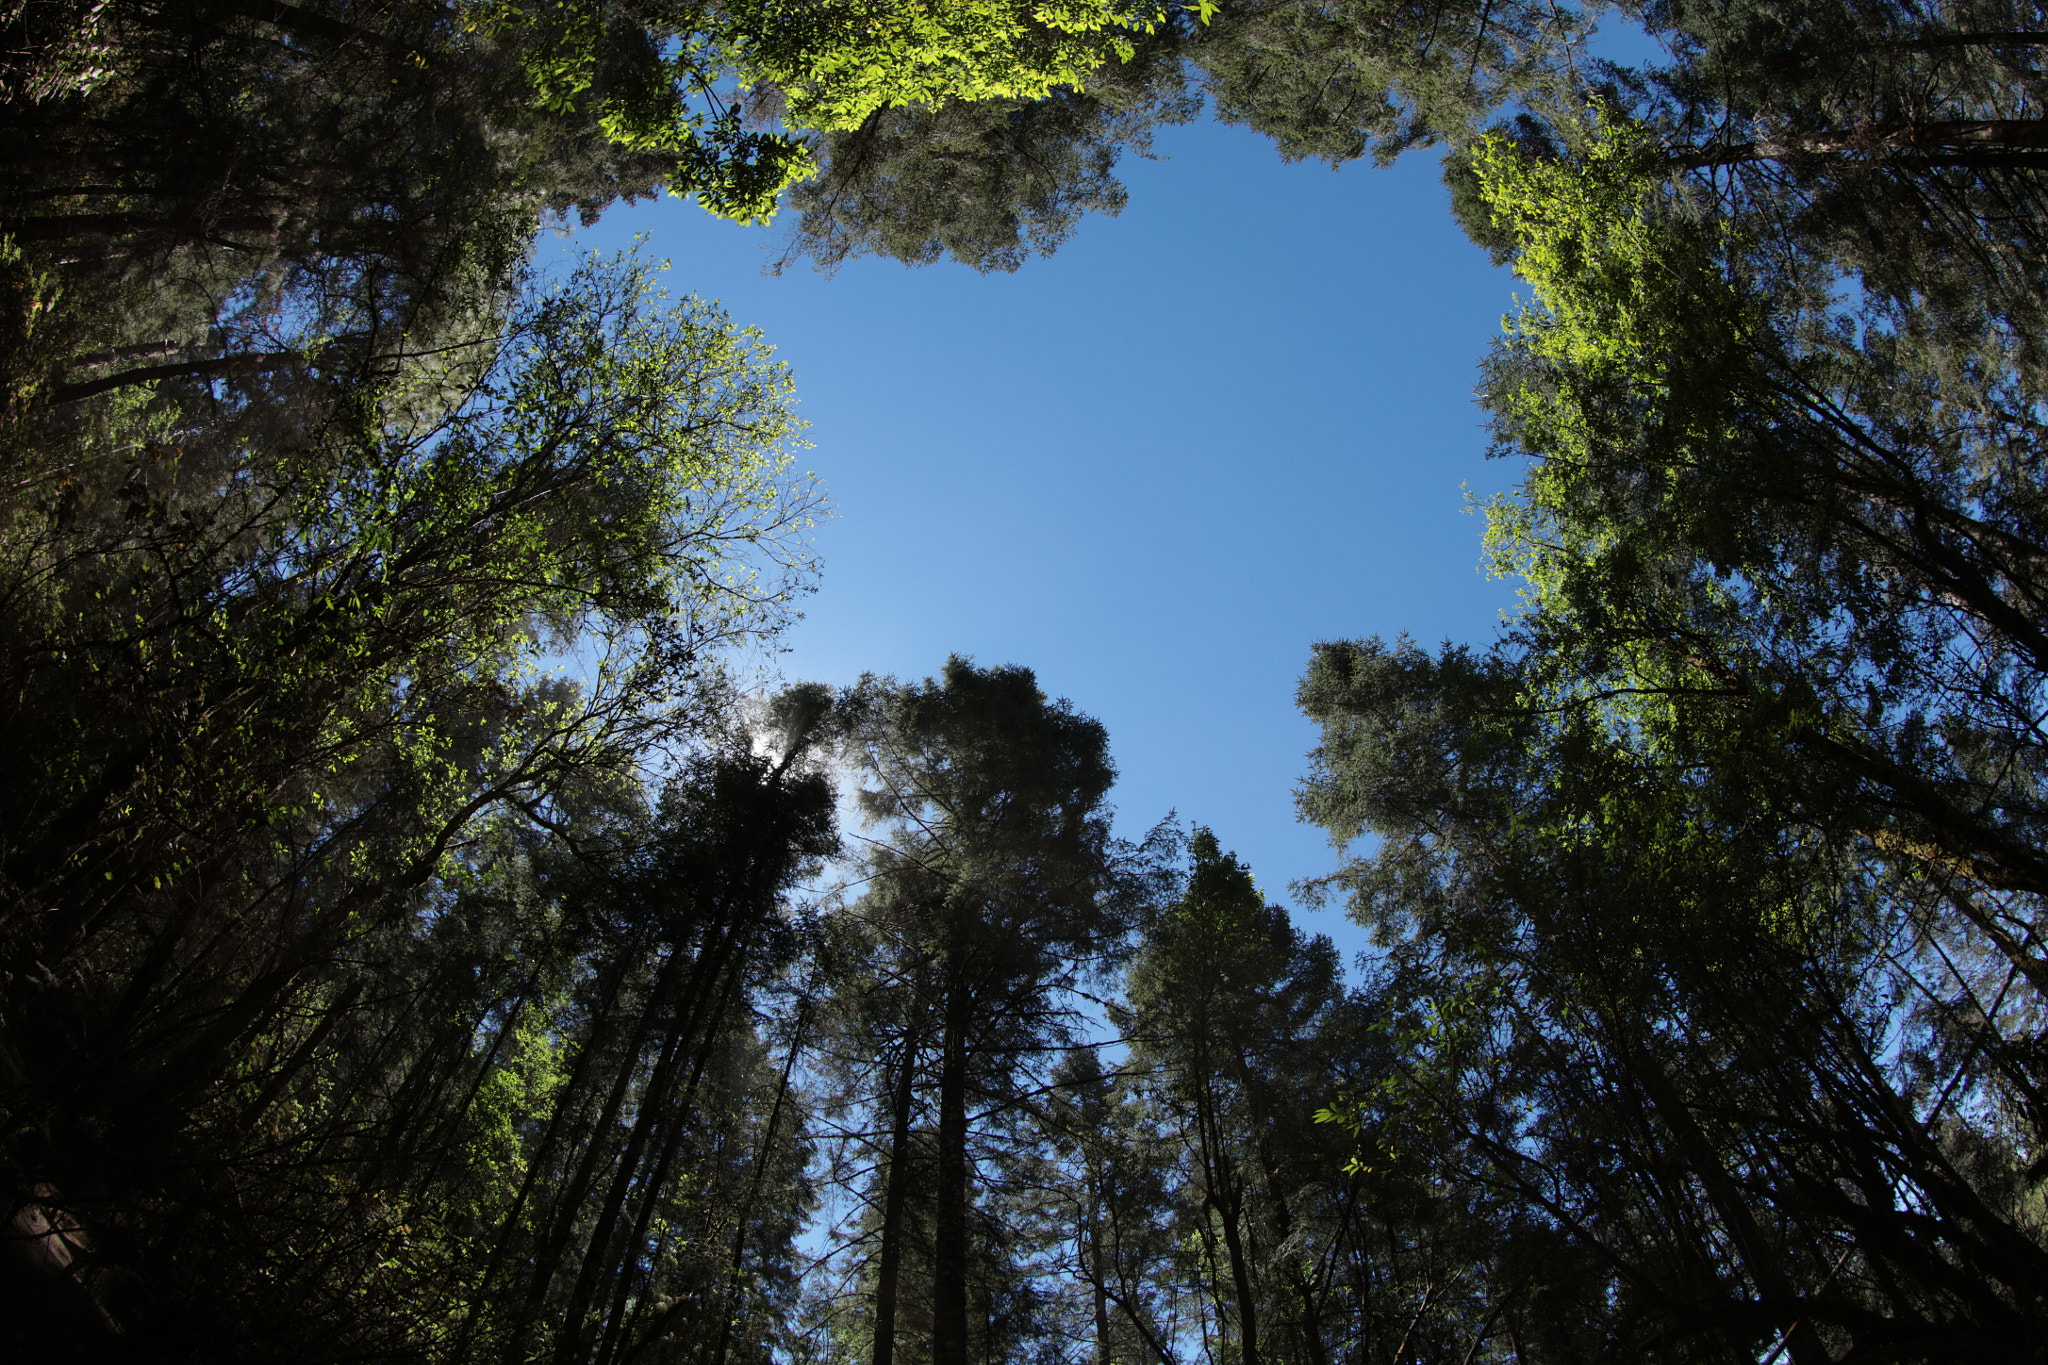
column 990, row 180
column 654, row 75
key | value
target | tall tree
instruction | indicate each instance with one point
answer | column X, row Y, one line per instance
column 995, row 889
column 1716, row 868
column 269, row 696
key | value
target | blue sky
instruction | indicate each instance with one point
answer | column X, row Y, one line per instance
column 1154, row 467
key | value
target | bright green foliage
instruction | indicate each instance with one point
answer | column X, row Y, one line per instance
column 990, row 182
column 840, row 63
column 1641, row 342
column 987, row 181
column 833, row 66
column 1749, row 517
column 1629, row 293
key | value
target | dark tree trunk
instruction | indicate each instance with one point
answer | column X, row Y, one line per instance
column 1933, row 143
column 334, row 1014
column 655, row 1109
column 1091, row 1236
column 889, row 1261
column 181, row 369
column 679, row 1109
column 949, row 1241
column 1228, row 1201
column 746, row 1215
column 561, row 1222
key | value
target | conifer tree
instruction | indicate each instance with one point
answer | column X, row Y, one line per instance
column 994, row 890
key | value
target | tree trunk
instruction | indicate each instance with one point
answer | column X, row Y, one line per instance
column 889, row 1261
column 1935, row 142
column 282, row 1077
column 180, row 369
column 655, row 1110
column 679, row 1107
column 1228, row 1201
column 1091, row 1234
column 567, row 1097
column 949, row 1242
column 560, row 1221
column 1753, row 1250
column 737, row 1264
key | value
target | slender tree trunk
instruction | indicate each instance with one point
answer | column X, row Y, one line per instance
column 655, row 1108
column 949, row 1242
column 570, row 1095
column 677, row 1115
column 183, row 369
column 1228, row 1201
column 889, row 1262
column 442, row 1132
column 1091, row 1236
column 274, row 1087
column 1298, row 1278
column 1936, row 142
column 1753, row 1250
column 746, row 1213
column 561, row 1225
column 1302, row 1281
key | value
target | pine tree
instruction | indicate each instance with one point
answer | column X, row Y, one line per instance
column 995, row 889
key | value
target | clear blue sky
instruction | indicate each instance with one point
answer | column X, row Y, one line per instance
column 1154, row 467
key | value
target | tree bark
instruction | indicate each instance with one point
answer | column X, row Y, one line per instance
column 889, row 1261
column 257, row 363
column 655, row 1110
column 1228, row 1201
column 949, row 1242
column 1936, row 142
column 1091, row 1234
column 679, row 1109
column 746, row 1214
column 1753, row 1251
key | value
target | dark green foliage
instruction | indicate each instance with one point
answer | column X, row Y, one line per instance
column 1676, row 1030
column 1902, row 141
column 402, row 951
column 1337, row 81
column 986, row 184
column 228, row 174
column 989, row 183
column 995, row 894
column 269, row 691
column 1710, row 893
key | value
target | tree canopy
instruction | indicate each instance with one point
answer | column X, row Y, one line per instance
column 425, row 937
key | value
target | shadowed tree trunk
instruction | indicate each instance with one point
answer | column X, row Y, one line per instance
column 889, row 1262
column 950, row 1251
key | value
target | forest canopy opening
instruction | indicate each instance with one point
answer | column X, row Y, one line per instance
column 421, row 939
